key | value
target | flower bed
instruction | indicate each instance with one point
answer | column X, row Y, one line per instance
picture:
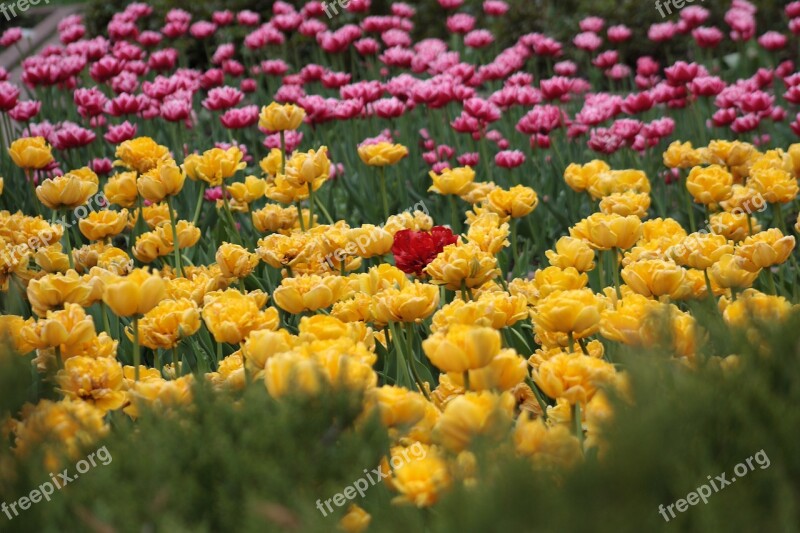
column 452, row 251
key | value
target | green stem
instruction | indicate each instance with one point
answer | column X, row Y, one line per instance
column 384, row 199
column 323, row 210
column 300, row 217
column 175, row 244
column 33, row 188
column 539, row 399
column 779, row 215
column 576, row 414
column 771, row 282
column 582, row 344
column 310, row 206
column 615, row 267
column 68, row 241
column 175, row 365
column 466, row 380
column 409, row 331
column 199, row 206
column 514, row 248
column 454, row 222
column 137, row 356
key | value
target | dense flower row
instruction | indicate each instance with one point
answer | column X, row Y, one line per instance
column 455, row 334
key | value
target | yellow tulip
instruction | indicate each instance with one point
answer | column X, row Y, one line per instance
column 164, row 180
column 100, row 225
column 31, row 153
column 134, row 294
column 281, row 117
column 381, row 154
column 141, row 154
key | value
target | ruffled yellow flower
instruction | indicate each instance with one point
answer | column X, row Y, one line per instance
column 700, row 250
column 52, row 259
column 398, row 406
column 97, row 381
column 728, row 274
column 575, row 311
column 235, row 261
column 251, row 190
column 272, row 164
column 571, row 252
column 68, row 328
column 733, row 226
column 65, row 428
column 736, row 155
column 618, row 181
column 280, row 190
column 310, row 168
column 516, row 202
column 478, row 191
column 274, row 218
column 776, row 185
column 474, row 414
column 581, row 177
column 295, row 372
column 115, row 261
column 31, row 153
column 462, row 265
column 100, row 225
column 66, row 192
column 381, row 154
column 215, row 165
column 413, row 303
column 574, row 377
column 489, row 232
column 626, row 203
column 188, row 234
column 368, row 241
column 604, row 232
column 548, row 446
column 709, row 185
column 134, row 294
column 54, row 290
column 744, row 199
column 753, row 306
column 231, row 316
column 149, row 247
column 154, row 215
column 309, row 293
column 423, row 477
column 281, row 117
column 764, row 250
column 456, row 181
column 141, row 154
column 121, row 189
column 167, row 323
column 356, row 520
column 682, row 155
column 656, row 278
column 262, row 344
column 11, row 327
column 462, row 347
column 159, row 394
column 504, row 372
column 418, row 221
column 164, row 180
